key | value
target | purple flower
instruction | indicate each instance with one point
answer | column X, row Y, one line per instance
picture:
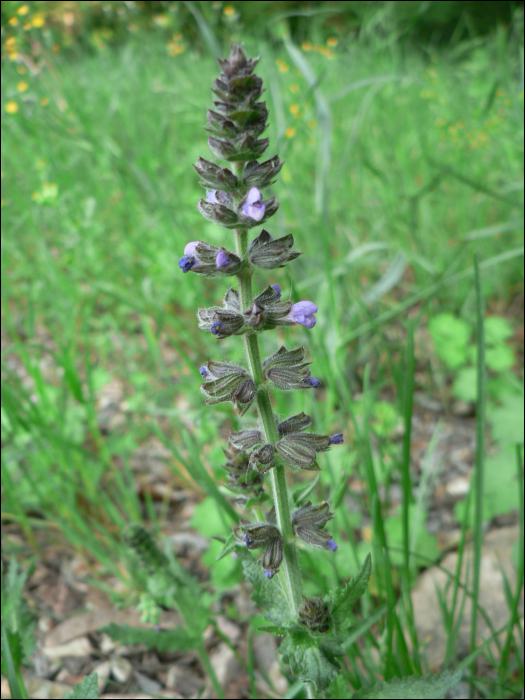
column 332, row 545
column 222, row 259
column 277, row 291
column 247, row 540
column 215, row 327
column 189, row 259
column 254, row 206
column 313, row 381
column 336, row 439
column 303, row 313
column 269, row 573
column 203, row 372
column 211, row 196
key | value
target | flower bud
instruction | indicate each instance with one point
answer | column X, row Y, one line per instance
column 245, row 439
column 203, row 260
column 295, row 424
column 214, row 177
column 227, row 382
column 267, row 253
column 300, row 449
column 256, row 535
column 315, row 615
column 336, row 439
column 287, row 370
column 218, row 214
column 262, row 458
column 219, row 322
column 272, row 557
column 309, row 515
column 240, row 478
column 263, row 174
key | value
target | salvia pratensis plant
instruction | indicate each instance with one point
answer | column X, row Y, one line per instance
column 257, row 457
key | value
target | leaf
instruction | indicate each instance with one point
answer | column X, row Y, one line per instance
column 423, row 687
column 267, row 593
column 309, row 661
column 278, row 631
column 465, row 384
column 343, row 600
column 301, row 495
column 508, row 421
column 86, row 689
column 229, row 547
column 177, row 639
column 450, row 336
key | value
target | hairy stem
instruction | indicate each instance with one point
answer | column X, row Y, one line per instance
column 290, row 563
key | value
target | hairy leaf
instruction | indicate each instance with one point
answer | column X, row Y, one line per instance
column 266, row 592
column 229, row 546
column 343, row 600
column 177, row 639
column 87, row 689
column 312, row 663
column 431, row 686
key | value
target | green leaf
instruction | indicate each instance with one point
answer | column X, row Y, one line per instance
column 450, row 336
column 499, row 358
column 229, row 547
column 87, row 689
column 267, row 593
column 18, row 620
column 465, row 384
column 508, row 421
column 343, row 600
column 278, row 631
column 423, row 687
column 497, row 330
column 308, row 660
column 177, row 639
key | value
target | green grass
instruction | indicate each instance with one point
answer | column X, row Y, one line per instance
column 401, row 165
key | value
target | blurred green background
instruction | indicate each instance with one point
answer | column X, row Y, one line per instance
column 401, row 124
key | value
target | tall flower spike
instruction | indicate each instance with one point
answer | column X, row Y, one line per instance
column 235, row 199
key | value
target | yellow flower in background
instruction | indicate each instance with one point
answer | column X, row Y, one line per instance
column 290, row 132
column 23, row 10
column 38, row 21
column 10, row 43
column 294, row 87
column 312, row 123
column 306, row 46
column 13, row 22
column 294, row 109
column 11, row 107
column 229, row 10
column 21, row 69
column 13, row 55
column 22, row 86
column 326, row 52
column 177, row 36
column 282, row 65
column 174, row 49
column 316, row 47
column 44, row 101
column 332, row 41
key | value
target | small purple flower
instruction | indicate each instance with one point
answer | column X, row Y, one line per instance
column 189, row 259
column 254, row 207
column 332, row 545
column 157, row 628
column 268, row 573
column 277, row 291
column 313, row 381
column 222, row 259
column 203, row 372
column 215, row 327
column 336, row 439
column 303, row 313
column 247, row 540
column 211, row 196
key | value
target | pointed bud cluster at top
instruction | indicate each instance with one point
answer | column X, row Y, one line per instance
column 241, row 479
column 227, row 382
column 238, row 118
column 261, row 174
column 308, row 521
column 269, row 254
column 209, row 260
column 288, row 370
column 315, row 615
column 263, row 534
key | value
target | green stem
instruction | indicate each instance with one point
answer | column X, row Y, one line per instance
column 205, row 659
column 277, row 476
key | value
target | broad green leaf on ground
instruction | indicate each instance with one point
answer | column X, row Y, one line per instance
column 343, row 600
column 508, row 421
column 497, row 330
column 311, row 661
column 417, row 687
column 500, row 489
column 450, row 336
column 267, row 593
column 177, row 639
column 17, row 618
column 464, row 386
column 87, row 689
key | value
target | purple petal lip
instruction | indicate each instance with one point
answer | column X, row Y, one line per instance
column 222, row 259
column 211, row 196
column 187, row 262
column 203, row 372
column 215, row 327
column 189, row 248
column 268, row 573
column 277, row 290
column 304, row 308
column 336, row 439
column 313, row 381
column 246, row 539
column 332, row 545
column 254, row 207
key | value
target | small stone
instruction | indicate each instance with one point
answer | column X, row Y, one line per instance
column 225, row 664
column 462, row 408
column 121, row 669
column 458, row 487
column 106, row 644
column 229, row 629
column 103, row 671
column 183, row 681
column 76, row 647
column 146, row 684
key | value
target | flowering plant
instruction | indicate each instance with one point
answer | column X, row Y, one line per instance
column 260, row 455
